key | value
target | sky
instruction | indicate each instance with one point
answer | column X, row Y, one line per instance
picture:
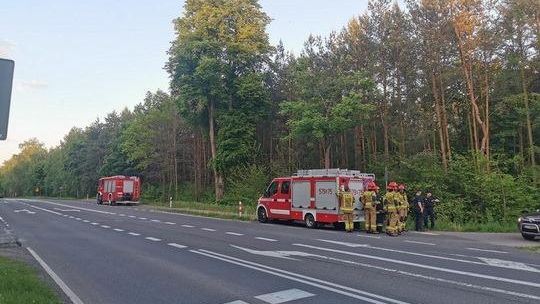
column 76, row 61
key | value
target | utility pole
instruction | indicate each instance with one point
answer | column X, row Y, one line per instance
column 6, row 84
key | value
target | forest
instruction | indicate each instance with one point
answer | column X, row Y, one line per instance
column 442, row 95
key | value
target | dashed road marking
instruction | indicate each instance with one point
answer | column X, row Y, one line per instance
column 143, row 218
column 421, row 243
column 188, row 226
column 121, row 214
column 105, row 226
column 424, row 233
column 486, row 250
column 118, row 229
column 234, row 233
column 208, row 229
column 94, row 223
column 78, row 219
column 134, row 234
column 155, row 221
column 265, row 239
column 152, row 239
column 284, row 296
column 369, row 236
column 86, row 221
column 170, row 223
column 132, row 216
column 237, row 302
column 177, row 245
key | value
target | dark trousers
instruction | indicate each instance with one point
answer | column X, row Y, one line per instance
column 418, row 221
column 429, row 214
column 380, row 221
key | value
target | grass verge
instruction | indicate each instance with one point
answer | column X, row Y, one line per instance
column 20, row 284
column 535, row 249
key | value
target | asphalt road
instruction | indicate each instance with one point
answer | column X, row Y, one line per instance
column 117, row 254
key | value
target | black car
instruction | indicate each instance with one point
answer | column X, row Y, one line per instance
column 529, row 225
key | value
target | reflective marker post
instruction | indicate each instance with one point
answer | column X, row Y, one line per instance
column 170, row 202
column 240, row 208
column 6, row 84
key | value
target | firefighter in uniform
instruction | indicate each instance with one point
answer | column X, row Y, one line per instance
column 346, row 200
column 403, row 207
column 391, row 204
column 379, row 210
column 369, row 198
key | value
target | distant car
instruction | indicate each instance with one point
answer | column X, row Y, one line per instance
column 529, row 225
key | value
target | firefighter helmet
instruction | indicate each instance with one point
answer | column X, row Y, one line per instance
column 372, row 186
column 392, row 186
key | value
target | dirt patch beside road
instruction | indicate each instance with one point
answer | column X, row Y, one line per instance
column 499, row 239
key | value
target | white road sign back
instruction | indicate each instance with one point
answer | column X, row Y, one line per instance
column 6, row 85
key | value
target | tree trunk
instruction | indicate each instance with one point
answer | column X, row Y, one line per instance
column 218, row 178
column 327, row 150
column 439, row 122
column 444, row 118
column 530, row 137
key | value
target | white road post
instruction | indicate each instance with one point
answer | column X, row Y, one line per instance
column 170, row 202
column 240, row 209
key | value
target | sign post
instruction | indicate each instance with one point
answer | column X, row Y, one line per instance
column 6, row 85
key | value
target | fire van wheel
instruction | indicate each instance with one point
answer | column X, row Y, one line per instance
column 310, row 221
column 261, row 215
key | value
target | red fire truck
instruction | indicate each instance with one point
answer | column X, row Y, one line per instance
column 119, row 190
column 311, row 196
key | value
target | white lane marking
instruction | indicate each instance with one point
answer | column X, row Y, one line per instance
column 237, row 302
column 177, row 245
column 65, row 215
column 170, row 223
column 429, row 256
column 67, row 210
column 121, row 214
column 71, row 217
column 369, row 236
column 486, row 250
column 421, row 243
column 265, row 239
column 143, row 218
column 208, row 229
column 94, row 223
column 284, row 296
column 233, row 233
column 353, row 245
column 188, row 226
column 78, row 219
column 134, row 234
column 46, row 210
column 336, row 288
column 156, row 221
column 132, row 216
column 424, row 233
column 465, row 273
column 152, row 239
column 71, row 295
column 508, row 264
column 273, row 254
column 86, row 221
column 415, row 275
column 81, row 208
column 105, row 226
column 118, row 229
column 24, row 210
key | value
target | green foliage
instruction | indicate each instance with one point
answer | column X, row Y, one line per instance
column 20, row 284
column 246, row 185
